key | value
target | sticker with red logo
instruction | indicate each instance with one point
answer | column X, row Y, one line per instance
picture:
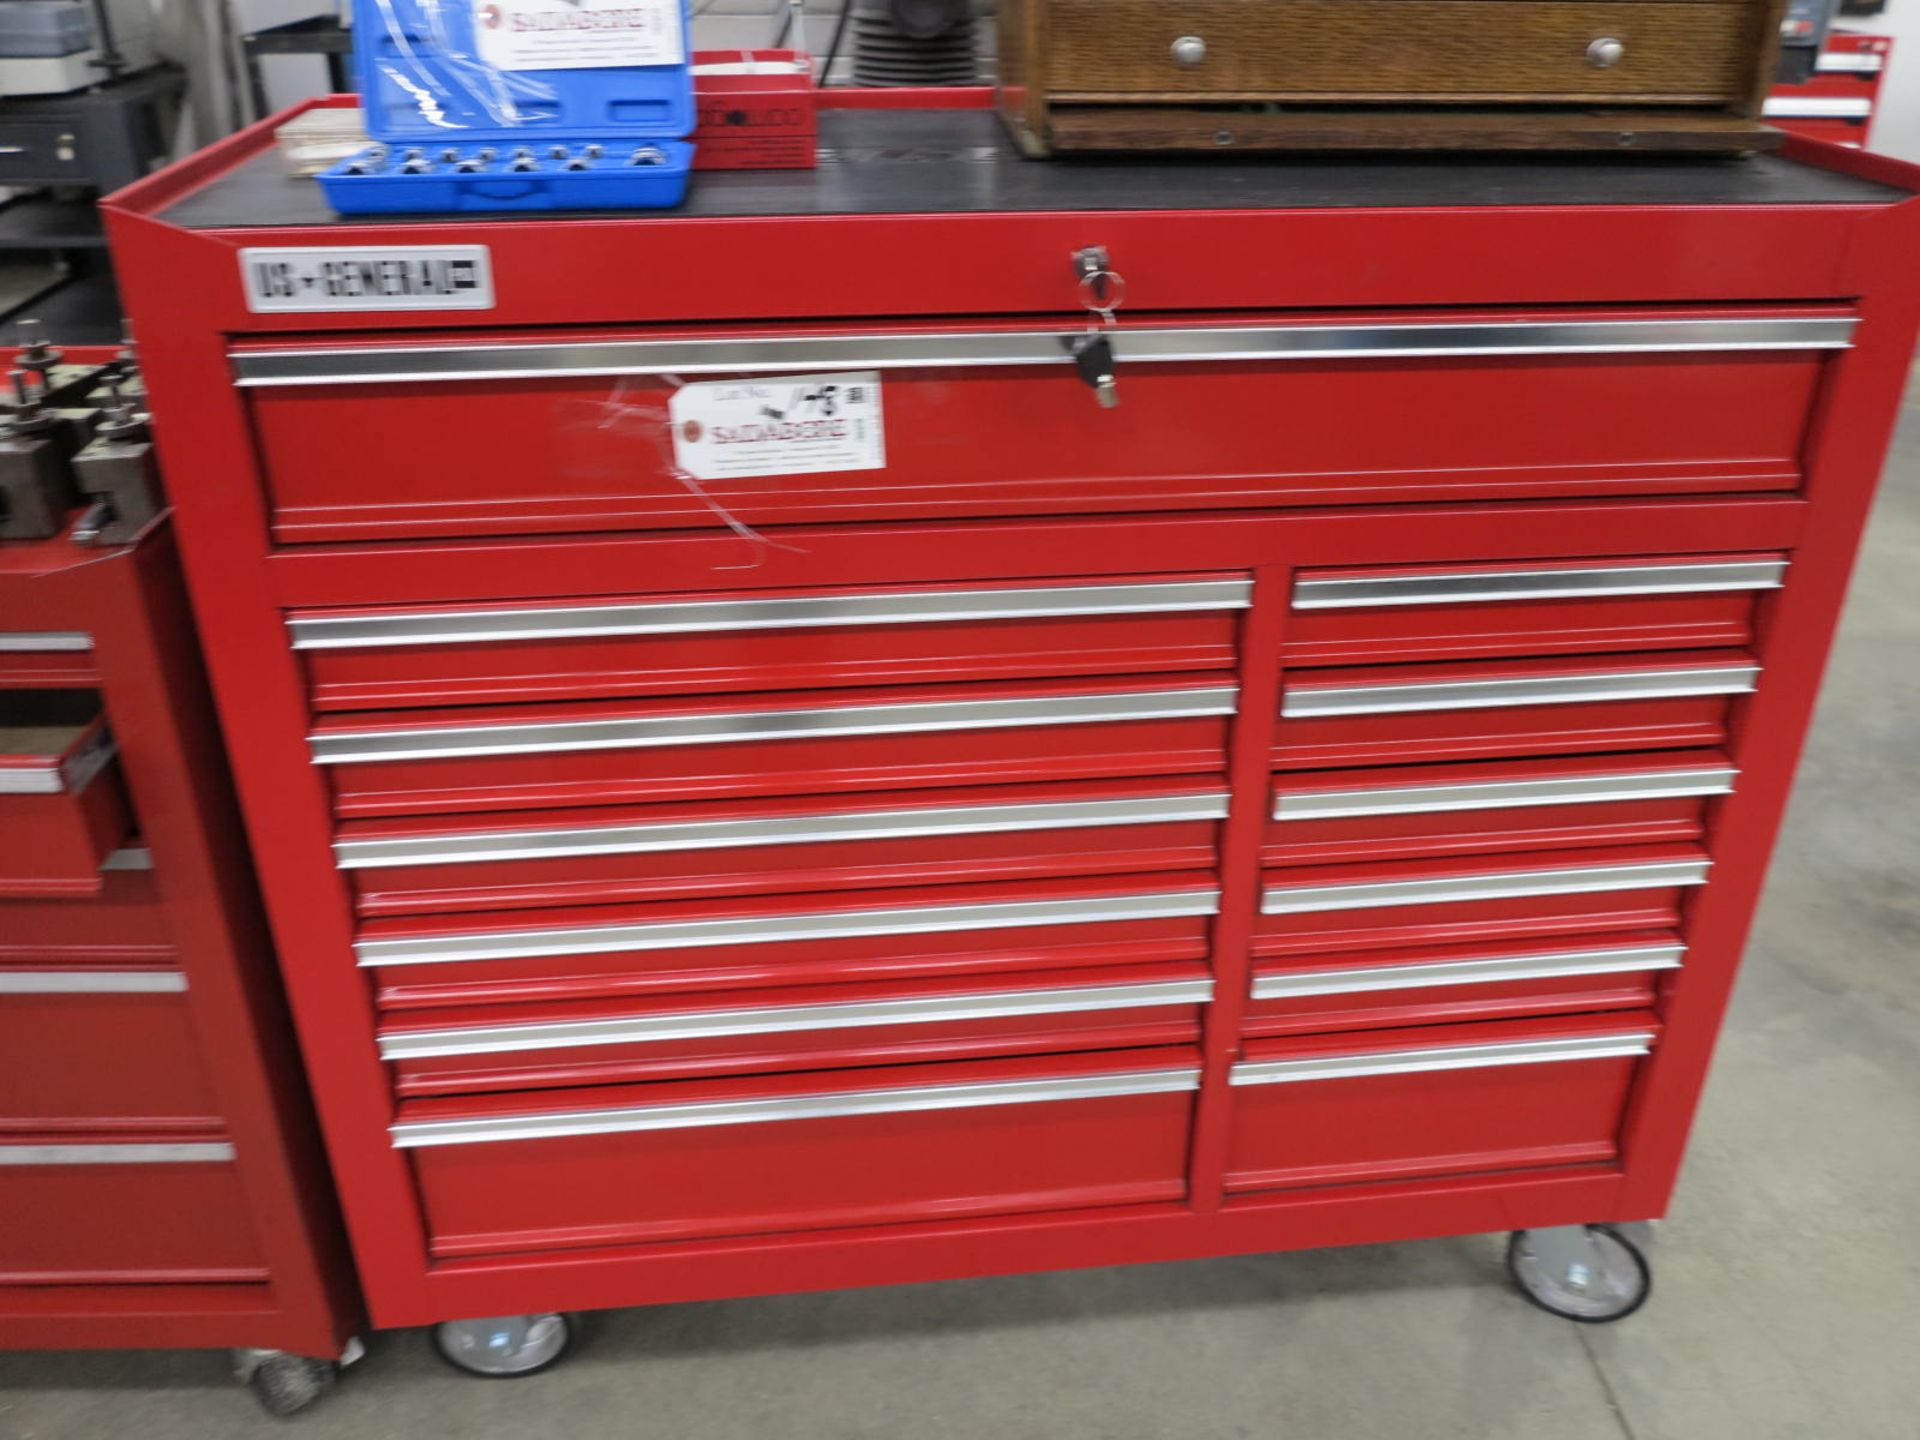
column 578, row 34
column 779, row 425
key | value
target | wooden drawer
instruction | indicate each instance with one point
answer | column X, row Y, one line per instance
column 788, row 940
column 776, row 640
column 63, row 806
column 486, row 759
column 1420, row 51
column 147, row 1210
column 663, row 852
column 1490, row 898
column 1404, row 714
column 805, row 1152
column 1410, row 811
column 1451, row 983
column 91, row 1047
column 124, row 923
column 374, row 438
column 1459, row 612
column 1432, row 1101
column 822, row 1027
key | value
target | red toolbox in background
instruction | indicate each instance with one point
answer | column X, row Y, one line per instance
column 161, row 1183
column 1837, row 102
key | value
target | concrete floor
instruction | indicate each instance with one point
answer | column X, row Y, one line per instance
column 1787, row 1302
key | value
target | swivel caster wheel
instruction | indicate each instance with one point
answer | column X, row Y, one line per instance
column 506, row 1347
column 287, row 1384
column 1589, row 1273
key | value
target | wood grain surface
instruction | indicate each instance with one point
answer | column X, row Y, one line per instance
column 1448, row 51
column 1122, row 129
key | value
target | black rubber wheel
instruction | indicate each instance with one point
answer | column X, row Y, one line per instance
column 287, row 1384
column 1630, row 1280
column 509, row 1348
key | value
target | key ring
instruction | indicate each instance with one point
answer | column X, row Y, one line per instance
column 1103, row 291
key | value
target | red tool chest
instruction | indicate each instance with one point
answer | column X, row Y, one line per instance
column 161, row 1183
column 1318, row 800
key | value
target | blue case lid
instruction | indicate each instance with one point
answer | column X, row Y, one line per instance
column 428, row 69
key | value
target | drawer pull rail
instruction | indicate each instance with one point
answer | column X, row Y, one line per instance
column 784, row 1019
column 466, row 847
column 1560, row 583
column 45, row 642
column 769, row 929
column 1296, row 984
column 412, row 1134
column 92, row 982
column 573, row 622
column 1451, row 1057
column 798, row 354
column 636, row 732
column 1454, row 889
column 1502, row 794
column 1330, row 700
column 198, row 1153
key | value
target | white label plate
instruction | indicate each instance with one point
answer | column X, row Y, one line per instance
column 779, row 425
column 283, row 279
column 578, row 34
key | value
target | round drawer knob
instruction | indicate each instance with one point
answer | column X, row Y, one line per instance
column 1189, row 50
column 1606, row 52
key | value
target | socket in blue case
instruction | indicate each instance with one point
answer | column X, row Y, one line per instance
column 502, row 105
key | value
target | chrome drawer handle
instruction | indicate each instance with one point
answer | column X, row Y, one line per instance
column 785, row 1019
column 771, row 929
column 456, row 848
column 1451, row 1057
column 1798, row 107
column 45, row 642
column 1502, row 794
column 1459, row 587
column 1523, row 690
column 638, row 732
column 413, row 1134
column 115, row 1154
column 92, row 982
column 694, row 617
column 1457, row 889
column 1631, row 960
column 798, row 354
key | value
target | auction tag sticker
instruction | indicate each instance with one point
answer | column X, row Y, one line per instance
column 578, row 34
column 779, row 425
column 282, row 279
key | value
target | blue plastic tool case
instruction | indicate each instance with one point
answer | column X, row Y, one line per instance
column 453, row 132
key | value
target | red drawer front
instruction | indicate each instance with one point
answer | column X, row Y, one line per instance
column 1406, row 812
column 1451, row 983
column 822, row 1027
column 63, row 805
column 578, row 857
column 1336, row 908
column 777, row 640
column 151, row 1210
column 843, row 741
column 1432, row 1101
column 804, row 1152
column 995, row 423
column 1398, row 614
column 124, row 922
column 1851, row 133
column 1405, row 714
column 789, row 940
column 47, row 660
column 98, row 1047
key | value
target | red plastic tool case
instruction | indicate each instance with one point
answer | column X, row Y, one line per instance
column 161, row 1181
column 1320, row 800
